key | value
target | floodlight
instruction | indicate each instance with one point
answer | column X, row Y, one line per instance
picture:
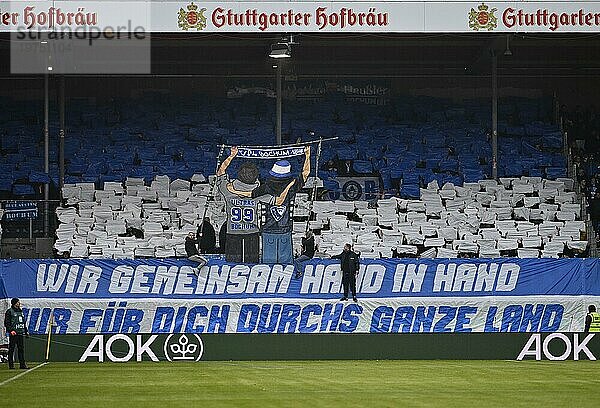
column 507, row 51
column 280, row 50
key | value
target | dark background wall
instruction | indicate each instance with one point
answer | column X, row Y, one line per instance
column 446, row 65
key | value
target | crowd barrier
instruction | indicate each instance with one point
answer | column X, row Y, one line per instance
column 120, row 348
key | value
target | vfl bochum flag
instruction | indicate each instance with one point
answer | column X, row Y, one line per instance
column 270, row 153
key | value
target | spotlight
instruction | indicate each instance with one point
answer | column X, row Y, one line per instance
column 280, row 50
column 507, row 51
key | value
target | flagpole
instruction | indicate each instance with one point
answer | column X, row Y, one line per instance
column 50, row 324
column 314, row 189
column 211, row 194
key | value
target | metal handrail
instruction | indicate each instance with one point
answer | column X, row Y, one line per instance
column 45, row 210
column 589, row 227
column 29, row 201
column 581, row 198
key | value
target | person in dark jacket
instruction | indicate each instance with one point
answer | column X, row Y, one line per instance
column 222, row 238
column 344, row 168
column 349, row 265
column 595, row 211
column 14, row 322
column 308, row 251
column 192, row 252
column 207, row 237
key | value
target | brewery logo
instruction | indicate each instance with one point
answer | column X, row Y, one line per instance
column 192, row 18
column 483, row 18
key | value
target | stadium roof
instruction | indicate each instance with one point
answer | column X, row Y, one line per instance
column 382, row 55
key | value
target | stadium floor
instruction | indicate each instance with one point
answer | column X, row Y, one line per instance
column 306, row 383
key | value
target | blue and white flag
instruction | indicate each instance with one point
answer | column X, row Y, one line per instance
column 15, row 210
column 270, row 153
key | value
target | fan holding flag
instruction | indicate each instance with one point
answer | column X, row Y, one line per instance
column 277, row 228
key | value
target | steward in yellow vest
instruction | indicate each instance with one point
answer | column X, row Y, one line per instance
column 592, row 320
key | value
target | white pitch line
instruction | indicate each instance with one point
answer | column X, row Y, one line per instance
column 22, row 374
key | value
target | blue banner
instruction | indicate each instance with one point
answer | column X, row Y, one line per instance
column 394, row 296
column 381, row 278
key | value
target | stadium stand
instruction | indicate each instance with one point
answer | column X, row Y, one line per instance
column 122, row 180
column 413, row 139
column 528, row 216
column 583, row 130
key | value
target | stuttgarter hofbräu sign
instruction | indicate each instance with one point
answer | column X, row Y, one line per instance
column 118, row 18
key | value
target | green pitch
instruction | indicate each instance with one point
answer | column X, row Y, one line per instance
column 306, row 384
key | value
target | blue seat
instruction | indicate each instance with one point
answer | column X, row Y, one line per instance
column 449, row 165
column 362, row 166
column 535, row 172
column 473, row 175
column 23, row 190
column 410, row 177
column 6, row 184
column 554, row 172
column 39, row 177
column 346, row 153
column 411, row 191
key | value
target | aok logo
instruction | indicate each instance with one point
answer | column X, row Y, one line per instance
column 183, row 347
column 536, row 347
column 121, row 348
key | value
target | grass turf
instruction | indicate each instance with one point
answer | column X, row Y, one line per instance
column 307, row 383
